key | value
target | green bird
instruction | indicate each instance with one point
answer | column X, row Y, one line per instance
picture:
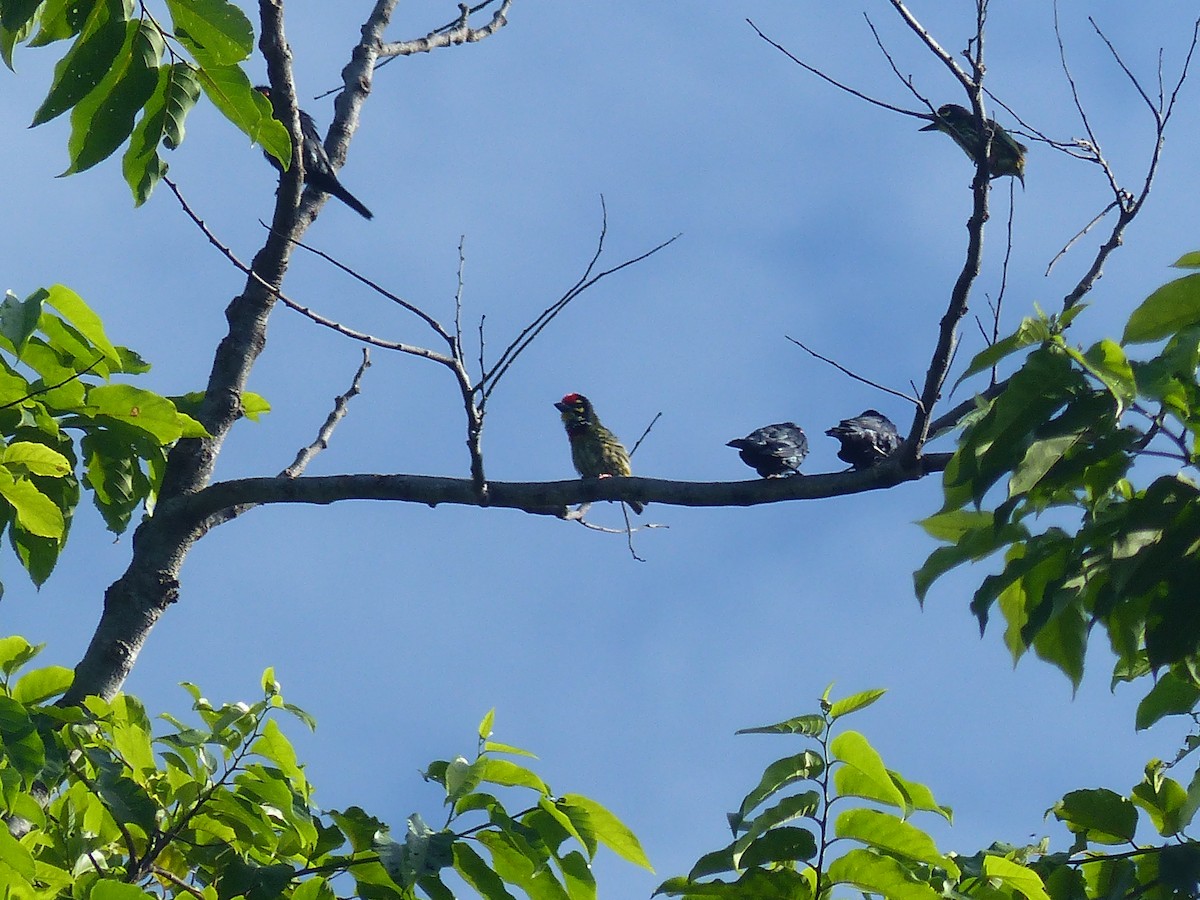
column 595, row 450
column 1007, row 155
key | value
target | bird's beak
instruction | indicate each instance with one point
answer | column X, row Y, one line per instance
column 932, row 126
column 561, row 407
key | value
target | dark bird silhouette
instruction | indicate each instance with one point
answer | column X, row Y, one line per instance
column 318, row 170
column 595, row 450
column 867, row 439
column 1007, row 156
column 774, row 451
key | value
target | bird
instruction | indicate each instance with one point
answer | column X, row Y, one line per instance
column 867, row 439
column 318, row 170
column 774, row 451
column 1007, row 156
column 595, row 450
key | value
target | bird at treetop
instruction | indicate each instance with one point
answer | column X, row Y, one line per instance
column 1007, row 156
column 318, row 170
column 774, row 451
column 867, row 439
column 595, row 450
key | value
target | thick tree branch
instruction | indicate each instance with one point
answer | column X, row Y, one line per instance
column 550, row 498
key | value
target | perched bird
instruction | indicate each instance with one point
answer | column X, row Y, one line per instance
column 595, row 450
column 867, row 439
column 318, row 170
column 1007, row 155
column 774, row 451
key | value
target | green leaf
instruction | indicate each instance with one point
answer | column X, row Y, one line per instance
column 145, row 411
column 508, row 773
column 863, row 774
column 797, row 806
column 786, row 844
column 214, row 32
column 485, row 724
column 1031, row 331
column 478, row 874
column 1015, row 876
column 36, row 513
column 42, row 684
column 1188, row 261
column 1172, row 695
column 278, row 749
column 19, row 318
column 1171, row 308
column 802, row 766
column 1099, row 815
column 102, row 120
column 15, row 652
column 810, row 725
column 72, row 308
column 878, row 875
column 610, row 830
column 25, row 457
column 854, row 702
column 1164, row 800
column 82, row 67
column 885, row 832
column 231, row 92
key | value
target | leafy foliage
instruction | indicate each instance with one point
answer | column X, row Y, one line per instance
column 54, row 360
column 1086, row 537
column 100, row 806
column 152, row 77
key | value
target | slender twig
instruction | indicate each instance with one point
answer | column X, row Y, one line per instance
column 1008, row 247
column 947, row 59
column 49, row 387
column 638, row 442
column 458, row 295
column 341, row 404
column 837, row 84
column 527, row 335
column 377, row 288
column 904, row 80
column 170, row 876
column 1079, row 234
column 854, row 375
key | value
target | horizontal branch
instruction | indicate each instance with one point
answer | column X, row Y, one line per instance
column 542, row 498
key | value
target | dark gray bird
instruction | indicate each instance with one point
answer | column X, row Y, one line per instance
column 774, row 451
column 1007, row 155
column 318, row 170
column 867, row 439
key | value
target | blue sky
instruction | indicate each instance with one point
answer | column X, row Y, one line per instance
column 802, row 212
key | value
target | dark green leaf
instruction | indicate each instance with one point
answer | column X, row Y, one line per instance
column 811, row 725
column 1172, row 695
column 878, row 875
column 1099, row 814
column 802, row 766
column 90, row 57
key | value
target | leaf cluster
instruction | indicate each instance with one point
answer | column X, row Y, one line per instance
column 1081, row 475
column 98, row 805
column 56, row 363
column 150, row 77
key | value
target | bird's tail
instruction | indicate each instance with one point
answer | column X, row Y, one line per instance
column 636, row 506
column 349, row 199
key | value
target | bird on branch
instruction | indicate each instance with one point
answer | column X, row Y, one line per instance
column 867, row 439
column 595, row 450
column 318, row 170
column 774, row 451
column 1007, row 156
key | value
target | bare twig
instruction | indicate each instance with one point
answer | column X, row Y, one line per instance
column 854, row 375
column 837, row 84
column 904, row 80
column 340, row 405
column 1079, row 234
column 458, row 32
column 956, row 70
column 638, row 442
column 379, row 289
column 458, row 295
column 527, row 335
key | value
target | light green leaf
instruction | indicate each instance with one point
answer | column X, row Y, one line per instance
column 72, row 308
column 36, row 459
column 610, row 830
column 1171, row 308
column 142, row 409
column 864, row 774
column 42, row 684
column 508, row 773
column 116, row 890
column 1188, row 261
column 1015, row 876
column 485, row 724
column 478, row 874
column 215, row 32
column 882, row 875
column 854, row 702
column 231, row 92
column 36, row 512
column 883, row 831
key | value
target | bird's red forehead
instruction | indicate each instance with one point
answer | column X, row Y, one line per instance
column 571, row 399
